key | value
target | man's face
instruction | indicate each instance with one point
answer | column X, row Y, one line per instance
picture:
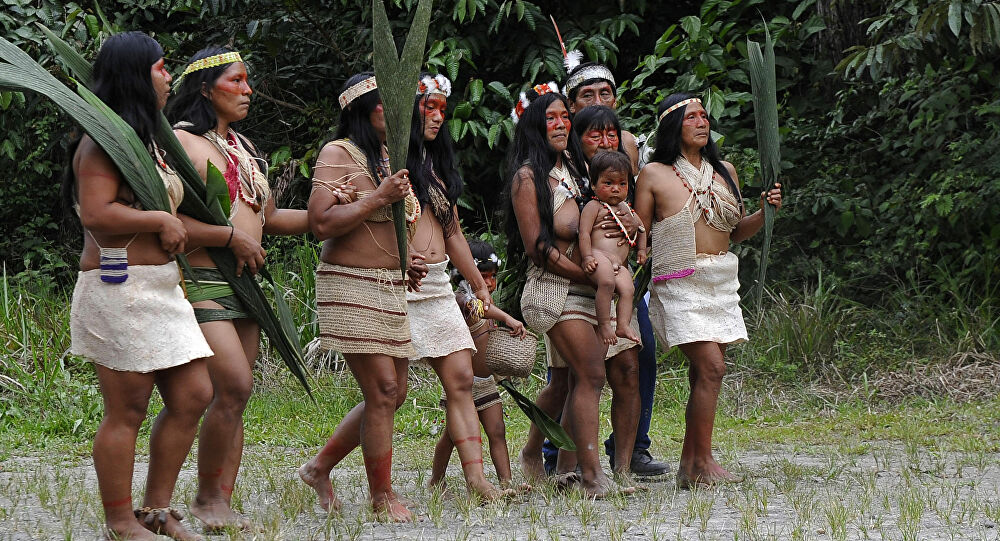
column 599, row 93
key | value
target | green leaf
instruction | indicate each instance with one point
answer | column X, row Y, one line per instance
column 463, row 110
column 93, row 27
column 691, row 25
column 499, row 89
column 551, row 429
column 397, row 77
column 476, row 91
column 955, row 17
column 494, row 132
column 216, row 189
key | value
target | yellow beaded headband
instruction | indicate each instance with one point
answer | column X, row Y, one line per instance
column 357, row 90
column 211, row 62
column 676, row 106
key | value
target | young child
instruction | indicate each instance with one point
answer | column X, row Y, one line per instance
column 484, row 387
column 602, row 256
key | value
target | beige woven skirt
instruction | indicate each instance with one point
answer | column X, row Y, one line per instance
column 702, row 307
column 580, row 304
column 143, row 324
column 362, row 311
column 485, row 393
column 436, row 322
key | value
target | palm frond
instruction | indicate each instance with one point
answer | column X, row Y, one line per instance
column 765, row 108
column 397, row 83
column 548, row 427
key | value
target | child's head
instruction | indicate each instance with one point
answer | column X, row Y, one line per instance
column 609, row 173
column 486, row 261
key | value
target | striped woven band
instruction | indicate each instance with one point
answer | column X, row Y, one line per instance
column 356, row 91
column 211, row 62
column 676, row 106
column 585, row 74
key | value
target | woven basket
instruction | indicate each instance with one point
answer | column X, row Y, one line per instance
column 507, row 355
column 543, row 299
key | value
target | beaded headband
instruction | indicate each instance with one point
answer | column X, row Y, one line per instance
column 676, row 106
column 211, row 62
column 493, row 259
column 596, row 71
column 357, row 90
column 438, row 84
column 524, row 102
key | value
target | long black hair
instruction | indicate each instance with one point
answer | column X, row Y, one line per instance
column 437, row 155
column 601, row 117
column 531, row 148
column 668, row 141
column 188, row 103
column 121, row 79
column 355, row 122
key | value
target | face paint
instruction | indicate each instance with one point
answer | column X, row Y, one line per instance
column 118, row 503
column 433, row 109
column 557, row 125
column 234, row 80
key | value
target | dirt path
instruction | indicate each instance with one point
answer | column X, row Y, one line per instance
column 876, row 490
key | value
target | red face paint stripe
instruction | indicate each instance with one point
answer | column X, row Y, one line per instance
column 216, row 473
column 477, row 439
column 379, row 470
column 226, row 488
column 336, row 450
column 471, row 462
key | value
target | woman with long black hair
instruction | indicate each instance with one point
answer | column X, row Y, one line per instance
column 542, row 217
column 212, row 95
column 690, row 201
column 362, row 309
column 129, row 315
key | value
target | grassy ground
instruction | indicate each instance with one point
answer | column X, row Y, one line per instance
column 848, row 421
column 815, row 468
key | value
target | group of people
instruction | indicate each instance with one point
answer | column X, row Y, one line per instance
column 573, row 213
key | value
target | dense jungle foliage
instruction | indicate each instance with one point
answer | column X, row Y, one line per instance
column 889, row 110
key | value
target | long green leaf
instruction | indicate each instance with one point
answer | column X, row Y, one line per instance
column 762, row 82
column 81, row 69
column 551, row 429
column 397, row 83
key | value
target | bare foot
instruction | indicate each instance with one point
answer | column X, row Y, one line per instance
column 565, row 480
column 321, row 484
column 168, row 523
column 531, row 467
column 129, row 530
column 486, row 491
column 523, row 488
column 437, row 482
column 217, row 516
column 625, row 331
column 602, row 487
column 606, row 334
column 388, row 508
column 711, row 474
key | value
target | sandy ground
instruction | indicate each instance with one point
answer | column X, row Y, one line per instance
column 877, row 490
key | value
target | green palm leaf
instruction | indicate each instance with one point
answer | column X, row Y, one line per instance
column 765, row 100
column 551, row 429
column 109, row 131
column 397, row 83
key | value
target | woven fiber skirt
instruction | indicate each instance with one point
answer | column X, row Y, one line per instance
column 362, row 311
column 143, row 324
column 580, row 304
column 436, row 322
column 702, row 307
column 485, row 394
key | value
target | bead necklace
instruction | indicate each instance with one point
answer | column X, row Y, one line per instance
column 698, row 192
column 631, row 240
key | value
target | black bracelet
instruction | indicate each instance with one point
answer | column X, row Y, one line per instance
column 231, row 231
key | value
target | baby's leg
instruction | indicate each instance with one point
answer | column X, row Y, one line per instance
column 626, row 290
column 604, row 280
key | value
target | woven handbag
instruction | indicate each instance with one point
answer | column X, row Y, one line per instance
column 507, row 355
column 543, row 299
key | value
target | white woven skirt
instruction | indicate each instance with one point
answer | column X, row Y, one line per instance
column 437, row 327
column 702, row 307
column 581, row 304
column 143, row 324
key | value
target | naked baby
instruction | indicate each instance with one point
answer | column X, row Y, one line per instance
column 603, row 258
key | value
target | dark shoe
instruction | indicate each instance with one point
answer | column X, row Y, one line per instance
column 644, row 465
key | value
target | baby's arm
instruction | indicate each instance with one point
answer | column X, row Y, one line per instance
column 587, row 219
column 640, row 243
column 496, row 314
